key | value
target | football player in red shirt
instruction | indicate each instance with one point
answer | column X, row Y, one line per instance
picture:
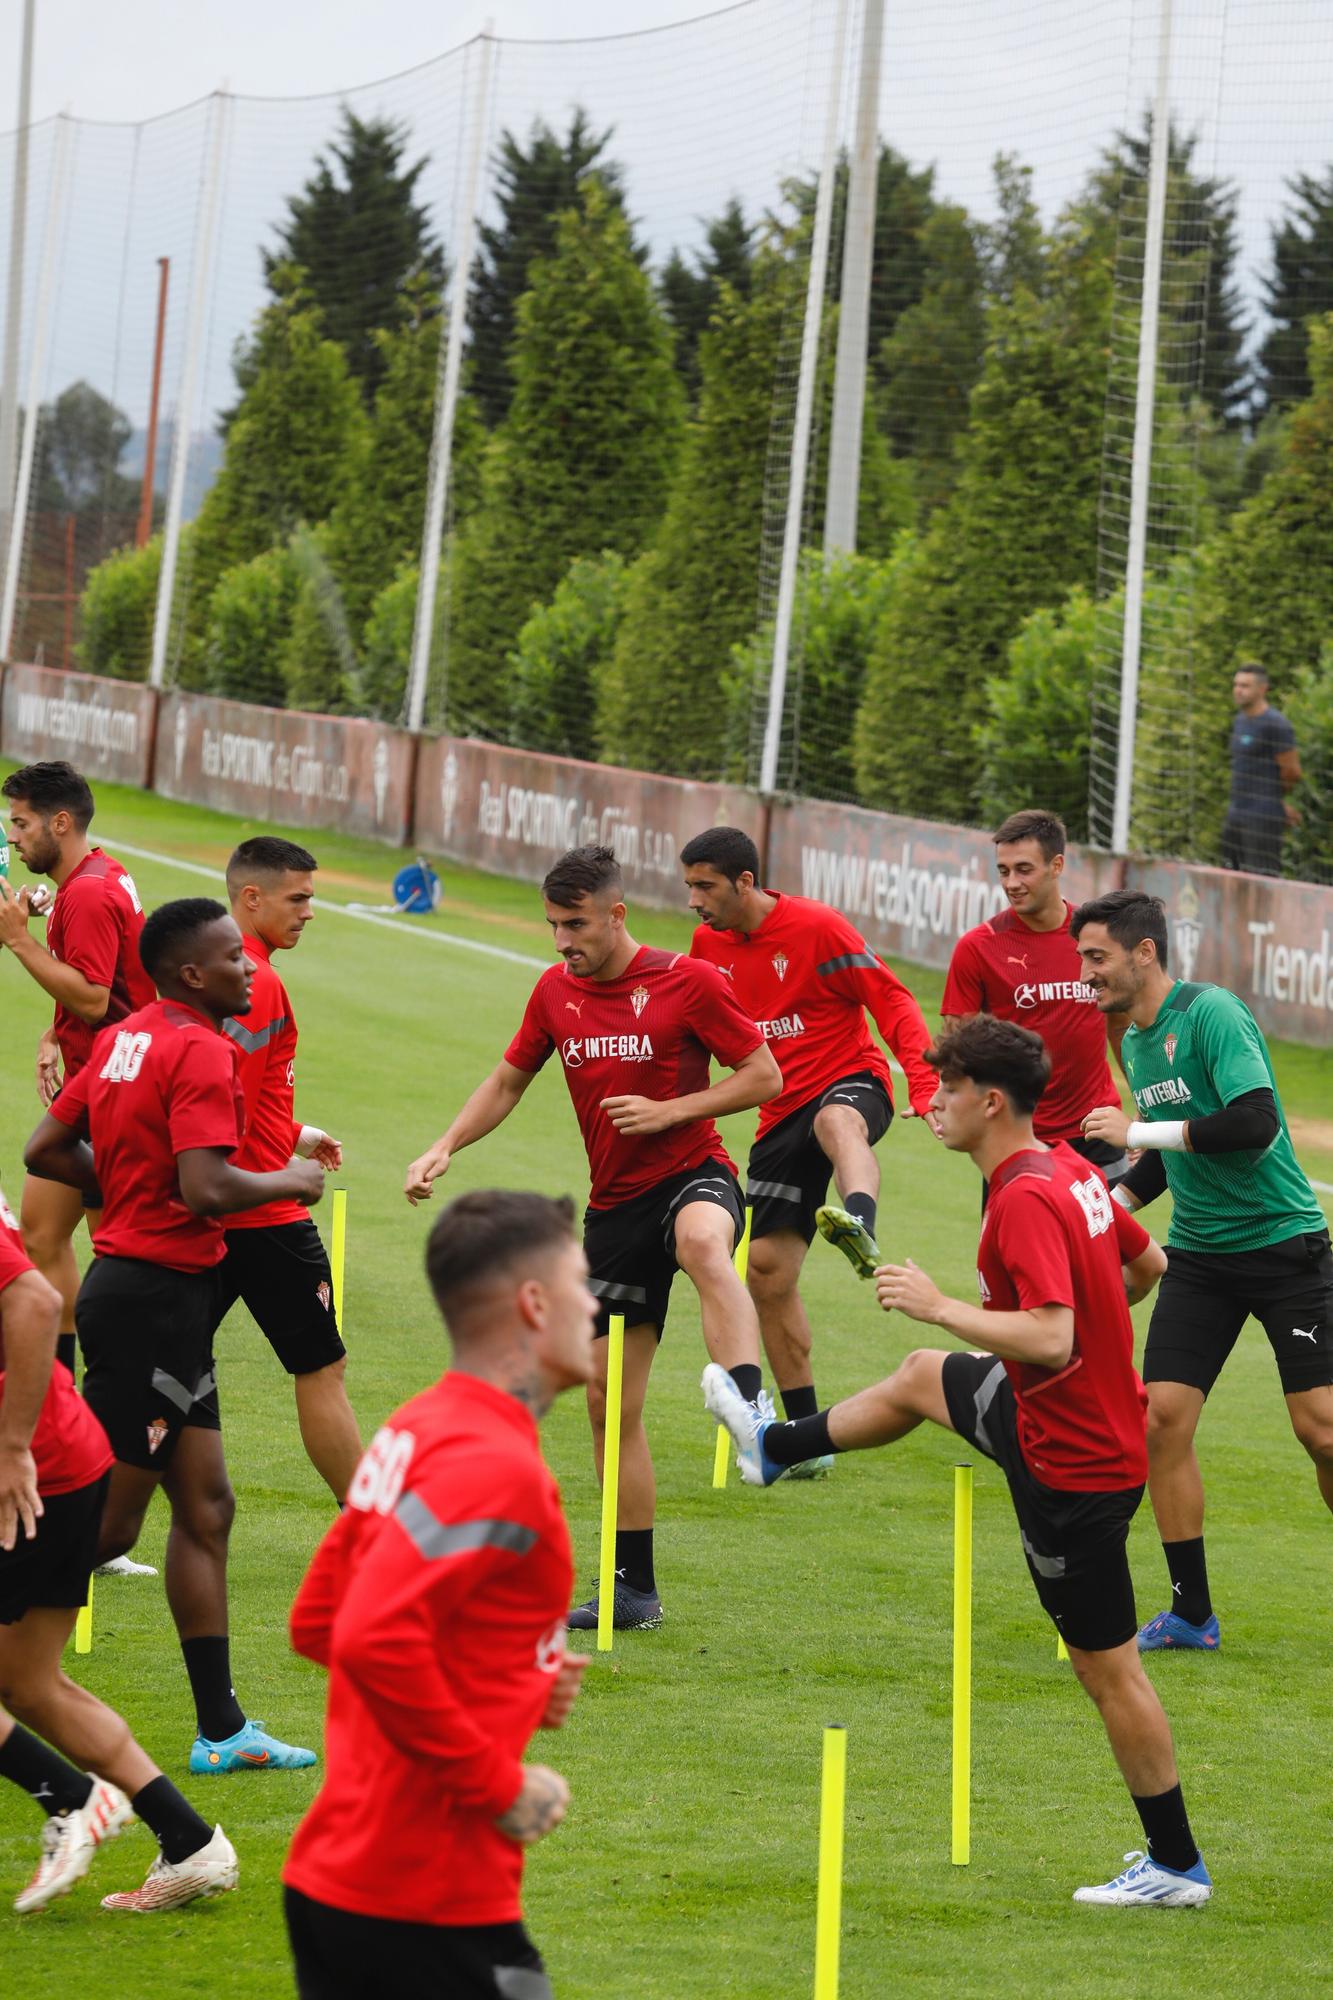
column 807, row 976
column 1053, row 1398
column 54, row 1461
column 275, row 1261
column 1023, row 966
column 635, row 1028
column 437, row 1602
column 160, row 1103
column 90, row 967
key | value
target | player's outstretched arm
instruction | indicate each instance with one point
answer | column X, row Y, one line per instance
column 489, row 1105
column 752, row 1082
column 1043, row 1335
column 29, row 1320
column 210, row 1185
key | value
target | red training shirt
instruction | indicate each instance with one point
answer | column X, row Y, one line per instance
column 648, row 1033
column 160, row 1083
column 1052, row 1236
column 266, row 1068
column 69, row 1446
column 807, row 977
column 1036, row 979
column 94, row 926
column 437, row 1602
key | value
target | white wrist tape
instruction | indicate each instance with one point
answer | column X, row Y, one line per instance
column 1123, row 1196
column 310, row 1137
column 1165, row 1136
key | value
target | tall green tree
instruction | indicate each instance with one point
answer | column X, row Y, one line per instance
column 930, row 363
column 81, row 438
column 533, row 184
column 583, row 460
column 690, row 288
column 1018, row 531
column 360, row 234
column 1299, row 289
column 297, row 436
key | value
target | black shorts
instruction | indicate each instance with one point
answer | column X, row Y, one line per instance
column 282, row 1274
column 631, row 1249
column 51, row 1572
column 341, row 1956
column 1253, row 846
column 1074, row 1542
column 788, row 1174
column 1204, row 1300
column 147, row 1338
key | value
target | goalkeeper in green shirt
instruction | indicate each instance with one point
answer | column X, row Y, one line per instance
column 1247, row 1234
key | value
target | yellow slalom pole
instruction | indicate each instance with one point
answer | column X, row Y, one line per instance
column 962, row 1665
column 338, row 1254
column 722, row 1449
column 83, row 1624
column 606, row 1587
column 828, row 1906
column 1061, row 1650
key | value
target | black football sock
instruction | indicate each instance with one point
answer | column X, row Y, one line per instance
column 1189, row 1580
column 1167, row 1827
column 67, row 1350
column 800, row 1402
column 178, row 1827
column 792, row 1443
column 55, row 1785
column 208, row 1663
column 748, row 1378
column 634, row 1557
column 865, row 1208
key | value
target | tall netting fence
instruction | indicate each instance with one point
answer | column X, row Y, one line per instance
column 482, row 388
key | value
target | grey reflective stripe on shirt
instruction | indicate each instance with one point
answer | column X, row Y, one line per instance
column 602, row 1288
column 177, row 1393
column 250, row 1042
column 436, row 1539
column 844, row 964
column 520, row 1982
column 985, row 1396
column 771, row 1191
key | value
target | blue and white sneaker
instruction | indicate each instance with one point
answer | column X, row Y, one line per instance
column 1146, row 1883
column 1169, row 1633
column 250, row 1749
column 747, row 1423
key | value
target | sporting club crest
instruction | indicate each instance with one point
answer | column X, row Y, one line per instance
column 1170, row 1046
column 323, row 1294
column 780, row 962
column 157, row 1430
column 638, row 1000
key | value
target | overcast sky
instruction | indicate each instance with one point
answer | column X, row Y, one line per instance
column 726, row 106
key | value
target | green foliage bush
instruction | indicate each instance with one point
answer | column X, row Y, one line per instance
column 117, row 611
column 561, row 654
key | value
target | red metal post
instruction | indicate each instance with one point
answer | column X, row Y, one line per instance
column 145, row 527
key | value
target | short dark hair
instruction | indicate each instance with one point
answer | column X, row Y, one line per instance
column 1251, row 667
column 489, row 1231
column 51, row 788
column 995, row 1054
column 170, row 932
column 729, row 849
column 1033, row 824
column 1130, row 915
column 267, row 855
column 583, row 871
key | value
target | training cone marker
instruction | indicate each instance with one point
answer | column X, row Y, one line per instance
column 1061, row 1650
column 722, row 1449
column 962, row 1666
column 606, row 1582
column 828, row 1904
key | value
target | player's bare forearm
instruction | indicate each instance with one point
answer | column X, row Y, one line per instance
column 753, row 1082
column 59, row 1152
column 30, row 1320
column 540, row 1806
column 211, row 1186
column 64, row 983
column 489, row 1105
column 1043, row 1336
column 1142, row 1272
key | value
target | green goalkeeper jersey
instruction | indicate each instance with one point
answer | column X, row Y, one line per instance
column 1202, row 1052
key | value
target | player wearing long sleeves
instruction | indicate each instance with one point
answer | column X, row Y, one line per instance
column 1052, row 1397
column 808, row 977
column 276, row 1261
column 437, row 1603
column 634, row 1029
column 1247, row 1234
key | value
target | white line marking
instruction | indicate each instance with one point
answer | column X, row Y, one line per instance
column 214, row 875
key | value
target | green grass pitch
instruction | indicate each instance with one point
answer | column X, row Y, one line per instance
column 687, row 1865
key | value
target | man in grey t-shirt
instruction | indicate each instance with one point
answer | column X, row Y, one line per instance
column 1264, row 765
